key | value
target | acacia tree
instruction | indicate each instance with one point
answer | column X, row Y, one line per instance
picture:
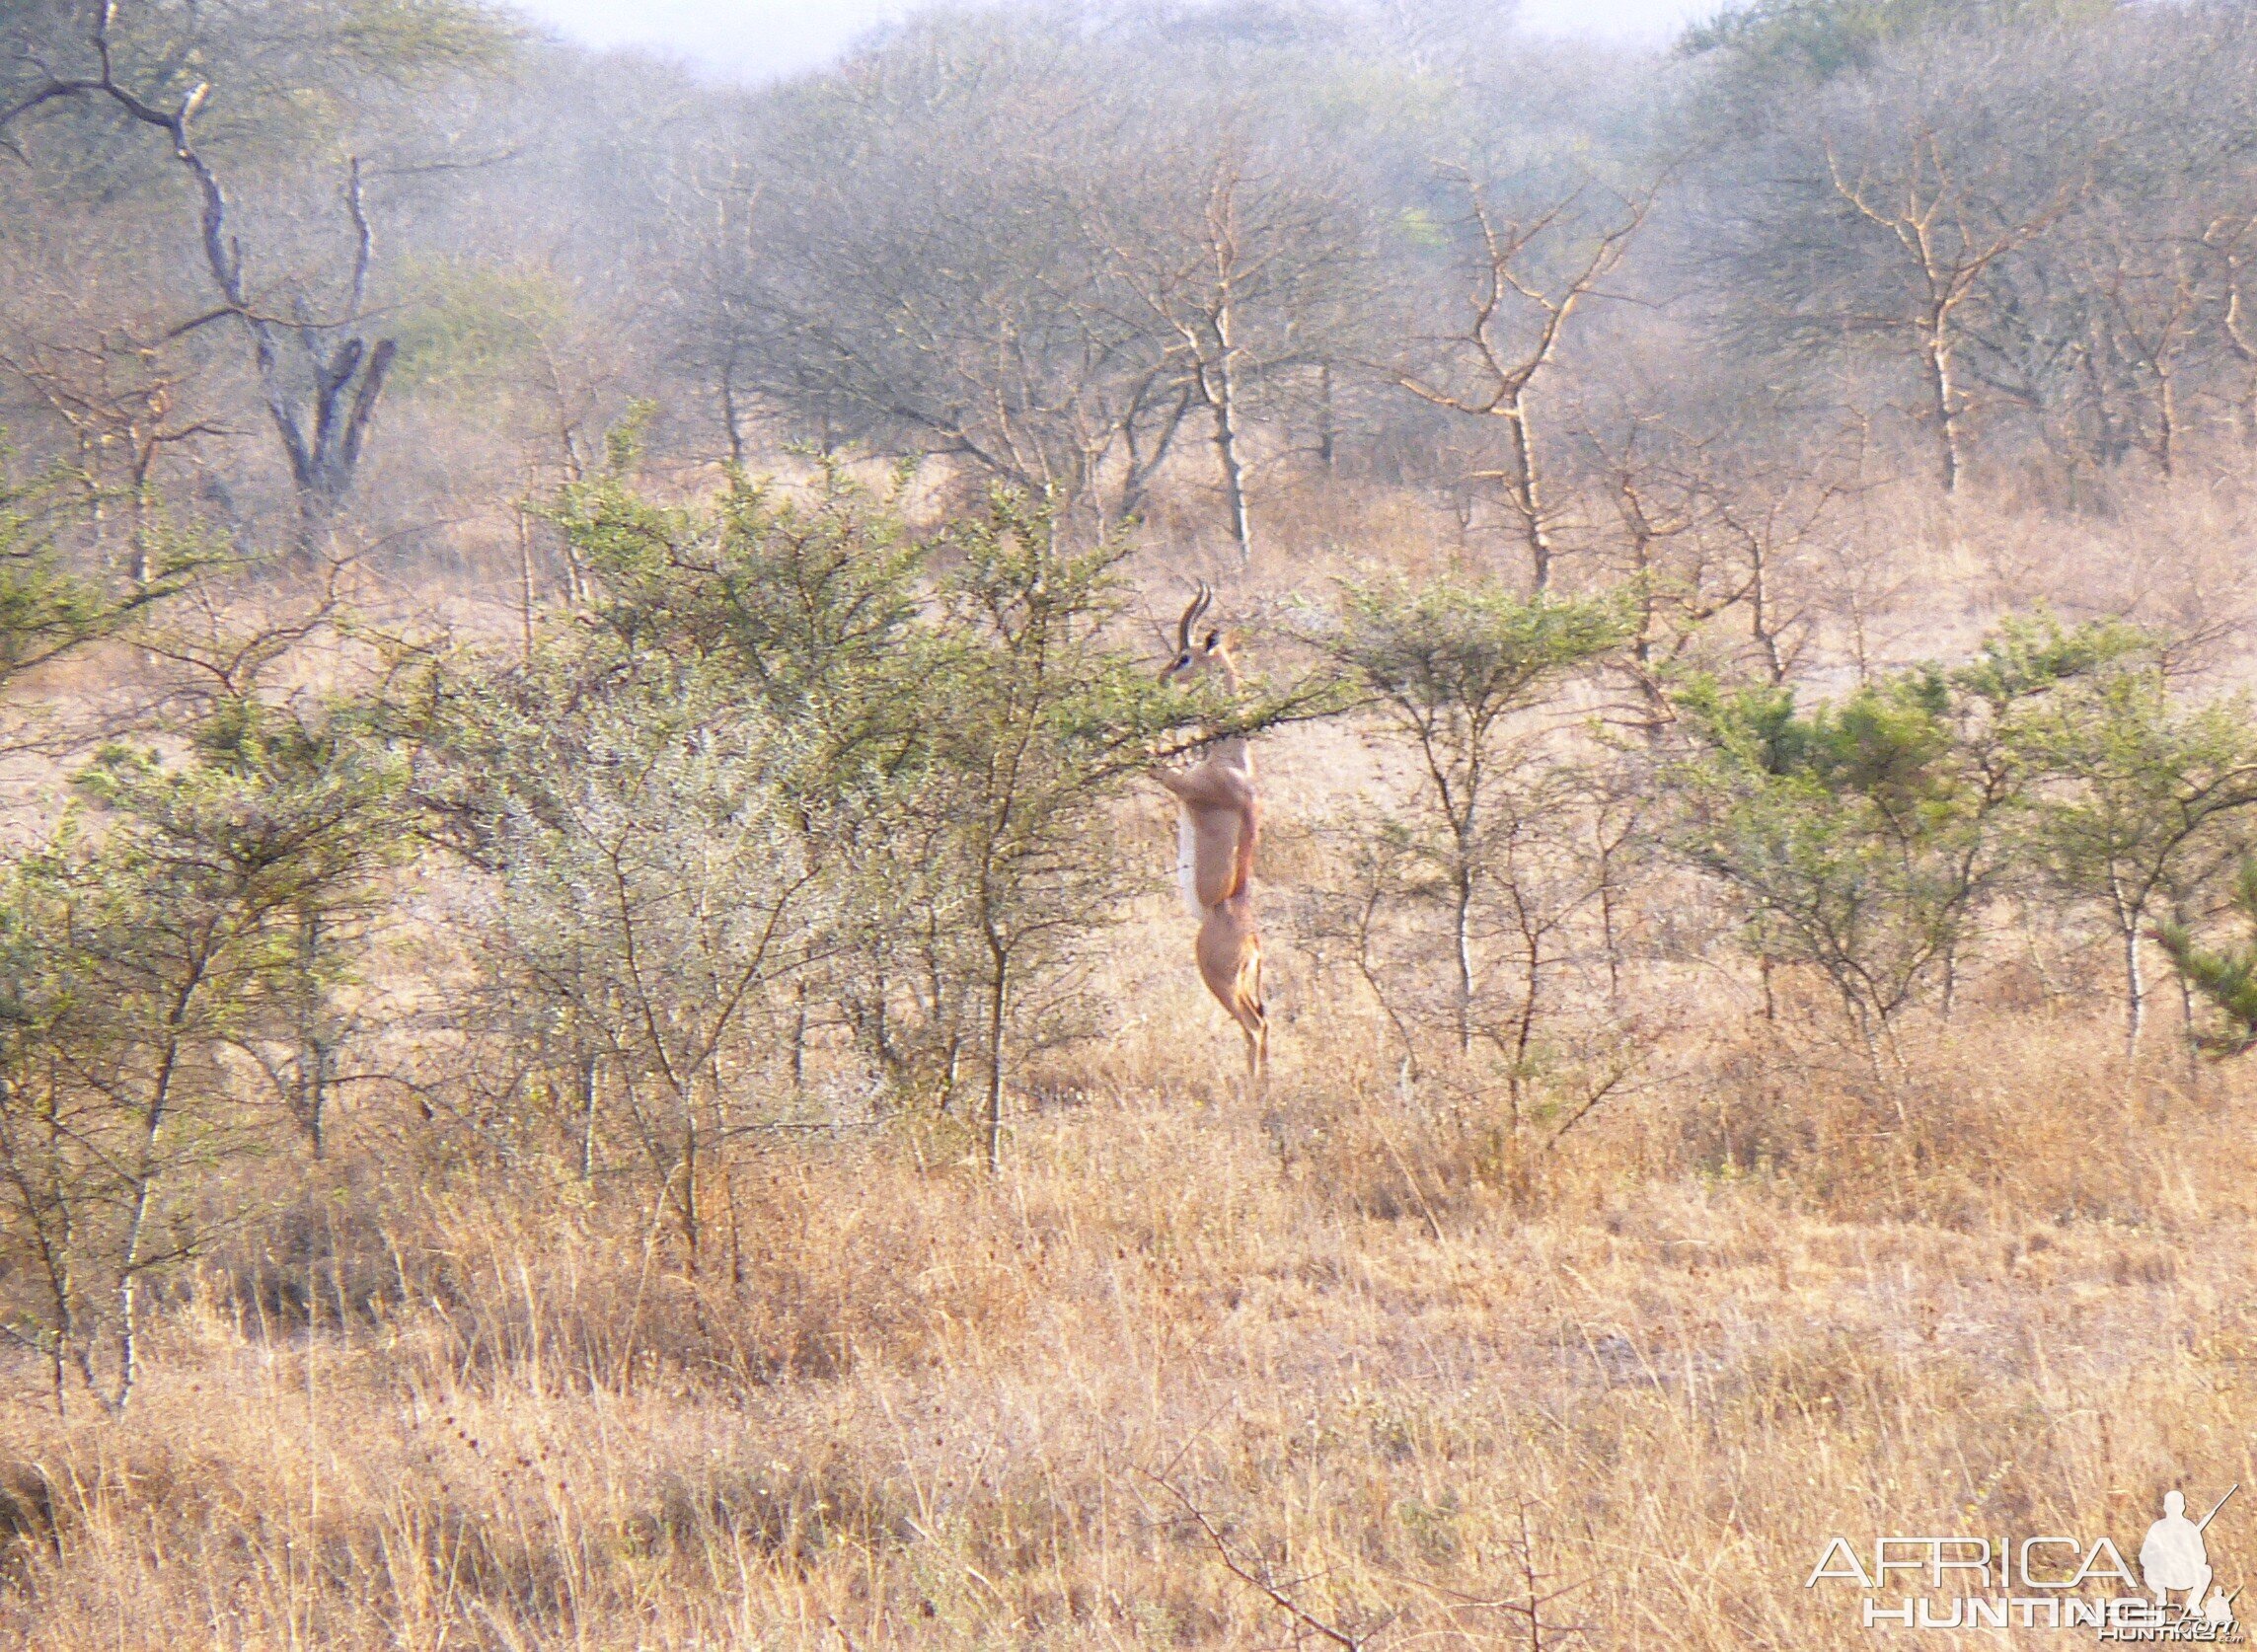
column 1445, row 668
column 1850, row 832
column 2224, row 976
column 672, row 794
column 653, row 889
column 1040, row 722
column 164, row 926
column 2134, row 795
column 1863, row 836
column 923, row 743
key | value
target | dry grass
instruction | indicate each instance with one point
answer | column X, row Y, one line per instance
column 1397, row 1356
column 1733, row 1318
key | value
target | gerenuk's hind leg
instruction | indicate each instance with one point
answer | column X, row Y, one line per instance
column 1253, row 1021
column 1230, row 962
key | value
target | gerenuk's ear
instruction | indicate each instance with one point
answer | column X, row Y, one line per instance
column 1214, row 640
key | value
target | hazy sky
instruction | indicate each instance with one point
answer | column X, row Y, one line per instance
column 760, row 38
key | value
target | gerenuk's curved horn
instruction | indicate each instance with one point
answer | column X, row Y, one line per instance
column 1190, row 613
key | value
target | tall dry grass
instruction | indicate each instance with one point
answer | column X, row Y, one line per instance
column 2008, row 1291
column 1358, row 1338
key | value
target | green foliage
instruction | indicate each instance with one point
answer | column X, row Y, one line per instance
column 2025, row 658
column 1866, row 835
column 1449, row 659
column 270, row 810
column 1817, row 39
column 1445, row 665
column 417, row 39
column 925, row 737
column 1889, row 745
column 172, row 919
column 1419, row 228
column 2133, row 782
column 1447, row 915
column 1860, row 835
column 2227, row 979
column 477, row 329
column 1037, row 719
column 1853, row 833
column 808, row 600
column 2134, row 799
column 47, row 606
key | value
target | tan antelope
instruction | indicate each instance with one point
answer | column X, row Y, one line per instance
column 1220, row 818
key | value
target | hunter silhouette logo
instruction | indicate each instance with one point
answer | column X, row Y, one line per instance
column 2175, row 1557
column 2047, row 1582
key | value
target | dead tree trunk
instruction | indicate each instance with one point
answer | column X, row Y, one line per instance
column 320, row 379
column 1513, row 338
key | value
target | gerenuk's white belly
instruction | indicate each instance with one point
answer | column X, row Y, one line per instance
column 1186, row 863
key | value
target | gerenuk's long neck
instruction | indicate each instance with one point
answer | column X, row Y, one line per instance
column 1233, row 751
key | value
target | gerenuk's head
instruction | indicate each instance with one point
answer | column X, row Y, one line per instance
column 1196, row 653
